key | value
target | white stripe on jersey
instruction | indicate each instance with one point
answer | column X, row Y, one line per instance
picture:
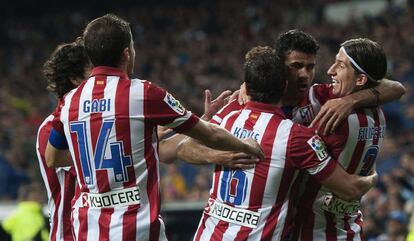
column 278, row 161
column 316, row 105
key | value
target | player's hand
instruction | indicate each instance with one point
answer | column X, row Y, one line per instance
column 254, row 148
column 162, row 131
column 211, row 107
column 234, row 96
column 243, row 97
column 236, row 160
column 332, row 113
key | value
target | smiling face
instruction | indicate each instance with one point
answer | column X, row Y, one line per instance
column 344, row 78
column 301, row 67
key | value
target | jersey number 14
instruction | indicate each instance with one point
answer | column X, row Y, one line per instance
column 118, row 161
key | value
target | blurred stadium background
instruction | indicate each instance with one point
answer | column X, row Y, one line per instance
column 188, row 46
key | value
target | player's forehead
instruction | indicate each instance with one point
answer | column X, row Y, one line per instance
column 295, row 56
column 341, row 57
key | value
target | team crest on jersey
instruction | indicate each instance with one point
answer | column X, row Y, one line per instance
column 318, row 146
column 174, row 104
column 306, row 114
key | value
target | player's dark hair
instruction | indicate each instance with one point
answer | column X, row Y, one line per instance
column 67, row 62
column 105, row 39
column 369, row 55
column 295, row 40
column 264, row 75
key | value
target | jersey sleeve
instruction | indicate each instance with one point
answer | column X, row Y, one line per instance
column 322, row 93
column 57, row 135
column 230, row 107
column 163, row 109
column 308, row 151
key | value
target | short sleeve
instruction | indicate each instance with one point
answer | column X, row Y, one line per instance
column 308, row 152
column 322, row 92
column 163, row 109
column 57, row 135
column 227, row 109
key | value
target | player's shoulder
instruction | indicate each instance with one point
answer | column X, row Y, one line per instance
column 301, row 130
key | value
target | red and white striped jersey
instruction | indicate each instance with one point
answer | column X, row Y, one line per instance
column 60, row 185
column 360, row 138
column 255, row 204
column 110, row 125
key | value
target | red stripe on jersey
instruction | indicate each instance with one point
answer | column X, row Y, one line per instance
column 69, row 193
column 307, row 221
column 152, row 182
column 272, row 219
column 219, row 231
column 358, row 221
column 123, row 128
column 201, row 228
column 330, row 229
column 96, row 124
column 129, row 223
column 101, row 175
column 73, row 116
column 261, row 171
column 359, row 149
column 104, row 223
column 349, row 232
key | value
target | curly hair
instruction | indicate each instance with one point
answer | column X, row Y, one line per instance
column 264, row 75
column 295, row 40
column 68, row 62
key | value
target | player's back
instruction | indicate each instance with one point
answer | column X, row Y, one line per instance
column 254, row 204
column 109, row 122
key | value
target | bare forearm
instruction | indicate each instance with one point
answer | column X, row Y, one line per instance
column 56, row 157
column 386, row 91
column 194, row 152
column 216, row 137
column 168, row 148
column 346, row 186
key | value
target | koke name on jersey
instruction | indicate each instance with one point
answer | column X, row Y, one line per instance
column 243, row 133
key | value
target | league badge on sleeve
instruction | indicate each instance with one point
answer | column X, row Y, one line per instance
column 174, row 104
column 318, row 146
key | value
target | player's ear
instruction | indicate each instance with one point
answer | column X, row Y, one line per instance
column 361, row 80
column 126, row 54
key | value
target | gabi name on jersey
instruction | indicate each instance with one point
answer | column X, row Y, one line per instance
column 369, row 133
column 95, row 106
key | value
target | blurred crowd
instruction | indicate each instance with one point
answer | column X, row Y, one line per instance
column 190, row 46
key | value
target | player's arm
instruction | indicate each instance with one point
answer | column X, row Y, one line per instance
column 168, row 147
column 194, row 152
column 334, row 111
column 219, row 138
column 57, row 153
column 309, row 152
column 347, row 186
column 57, row 157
